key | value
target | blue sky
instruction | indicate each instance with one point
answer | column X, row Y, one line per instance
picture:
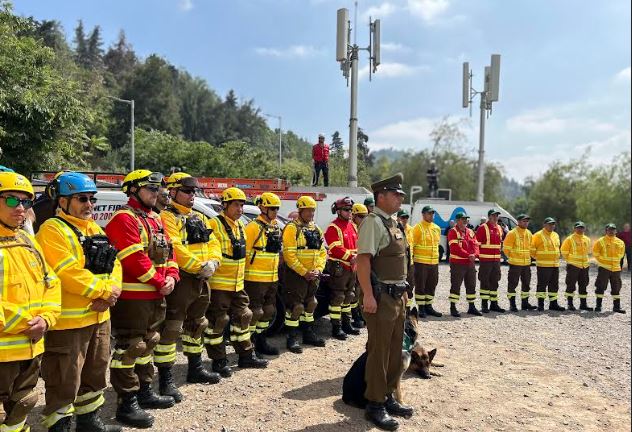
column 565, row 71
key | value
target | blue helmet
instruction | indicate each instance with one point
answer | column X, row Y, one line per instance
column 70, row 183
column 5, row 169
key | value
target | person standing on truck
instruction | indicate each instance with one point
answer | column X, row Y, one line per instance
column 263, row 248
column 229, row 299
column 489, row 235
column 198, row 254
column 608, row 251
column 463, row 252
column 425, row 243
column 359, row 212
column 545, row 248
column 320, row 155
column 517, row 247
column 575, row 250
column 402, row 218
column 341, row 238
column 304, row 259
column 150, row 273
column 30, row 296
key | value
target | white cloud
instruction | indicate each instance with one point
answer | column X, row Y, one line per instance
column 555, row 121
column 428, row 10
column 394, row 47
column 392, row 70
column 623, row 75
column 380, row 11
column 413, row 134
column 185, row 5
column 294, row 51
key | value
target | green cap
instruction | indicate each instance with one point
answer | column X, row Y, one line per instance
column 428, row 209
column 611, row 226
column 523, row 216
column 461, row 215
column 580, row 224
column 403, row 214
column 492, row 212
column 393, row 184
column 549, row 220
column 369, row 201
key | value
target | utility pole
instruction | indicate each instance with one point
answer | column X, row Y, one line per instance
column 131, row 129
column 278, row 117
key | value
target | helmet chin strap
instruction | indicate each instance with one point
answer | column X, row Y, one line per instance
column 12, row 228
column 137, row 196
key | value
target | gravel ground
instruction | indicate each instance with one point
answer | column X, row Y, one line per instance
column 523, row 371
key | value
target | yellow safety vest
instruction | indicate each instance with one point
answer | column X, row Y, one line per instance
column 517, row 246
column 261, row 266
column 608, row 252
column 230, row 274
column 575, row 250
column 545, row 248
column 425, row 243
column 295, row 252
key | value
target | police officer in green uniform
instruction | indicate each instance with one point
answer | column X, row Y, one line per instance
column 382, row 271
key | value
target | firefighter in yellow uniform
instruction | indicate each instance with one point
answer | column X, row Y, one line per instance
column 198, row 254
column 608, row 251
column 545, row 248
column 402, row 218
column 30, row 304
column 575, row 250
column 359, row 212
column 517, row 248
column 230, row 301
column 77, row 348
column 425, row 243
column 263, row 248
column 304, row 256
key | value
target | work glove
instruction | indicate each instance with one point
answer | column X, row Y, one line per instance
column 208, row 269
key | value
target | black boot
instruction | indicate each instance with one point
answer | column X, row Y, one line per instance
column 540, row 305
column 221, row 367
column 310, row 337
column 616, row 306
column 528, row 306
column 293, row 344
column 393, row 407
column 454, row 311
column 263, row 347
column 347, row 327
column 473, row 311
column 376, row 414
column 583, row 305
column 62, row 425
column 512, row 305
column 91, row 422
column 336, row 331
column 554, row 306
column 251, row 361
column 495, row 308
column 148, row 399
column 569, row 303
column 130, row 413
column 484, row 306
column 422, row 311
column 598, row 305
column 166, row 386
column 430, row 311
column 358, row 321
column 197, row 373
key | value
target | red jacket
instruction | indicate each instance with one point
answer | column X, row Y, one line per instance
column 462, row 244
column 489, row 238
column 342, row 239
column 128, row 233
column 625, row 236
column 320, row 153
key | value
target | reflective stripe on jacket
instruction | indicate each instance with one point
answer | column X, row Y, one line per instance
column 296, row 255
column 575, row 250
column 261, row 266
column 342, row 241
column 490, row 239
column 230, row 274
column 545, row 248
column 517, row 246
column 425, row 242
column 608, row 251
column 462, row 245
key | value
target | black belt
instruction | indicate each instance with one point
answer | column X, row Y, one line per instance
column 394, row 290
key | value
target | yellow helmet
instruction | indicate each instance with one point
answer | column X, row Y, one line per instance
column 10, row 181
column 359, row 209
column 233, row 194
column 142, row 177
column 181, row 179
column 269, row 199
column 305, row 202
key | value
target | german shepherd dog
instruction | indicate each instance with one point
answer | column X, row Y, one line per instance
column 414, row 359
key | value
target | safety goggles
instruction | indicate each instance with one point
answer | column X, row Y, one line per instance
column 13, row 201
column 152, row 187
column 187, row 191
column 347, row 209
column 84, row 199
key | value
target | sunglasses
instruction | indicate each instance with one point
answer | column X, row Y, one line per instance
column 13, row 202
column 152, row 187
column 347, row 209
column 187, row 191
column 84, row 199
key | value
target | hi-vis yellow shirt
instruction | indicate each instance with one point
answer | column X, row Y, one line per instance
column 575, row 250
column 608, row 252
column 230, row 274
column 517, row 246
column 425, row 242
column 261, row 266
column 24, row 294
column 295, row 252
column 189, row 257
column 79, row 286
column 545, row 248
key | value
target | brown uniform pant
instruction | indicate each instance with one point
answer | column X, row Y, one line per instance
column 73, row 368
column 458, row 274
column 300, row 299
column 576, row 276
column 135, row 325
column 426, row 280
column 262, row 304
column 384, row 348
column 228, row 306
column 548, row 278
column 17, row 391
column 341, row 290
column 515, row 275
column 489, row 276
column 601, row 283
column 186, row 307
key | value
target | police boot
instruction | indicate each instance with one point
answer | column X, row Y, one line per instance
column 221, row 367
column 130, row 413
column 571, row 306
column 393, row 407
column 310, row 337
column 583, row 305
column 293, row 344
column 166, row 386
column 512, row 305
column 454, row 311
column 62, row 425
column 250, row 360
column 495, row 308
column 91, row 422
column 376, row 414
column 263, row 347
column 148, row 399
column 473, row 311
column 347, row 327
column 554, row 306
column 616, row 306
column 540, row 305
column 197, row 373
column 358, row 321
column 430, row 311
column 528, row 306
column 484, row 306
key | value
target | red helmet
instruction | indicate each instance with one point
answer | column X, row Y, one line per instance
column 345, row 202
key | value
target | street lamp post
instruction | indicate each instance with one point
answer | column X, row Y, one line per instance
column 278, row 117
column 131, row 104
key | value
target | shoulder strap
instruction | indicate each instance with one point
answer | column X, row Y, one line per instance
column 262, row 227
column 74, row 229
column 28, row 243
column 229, row 230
